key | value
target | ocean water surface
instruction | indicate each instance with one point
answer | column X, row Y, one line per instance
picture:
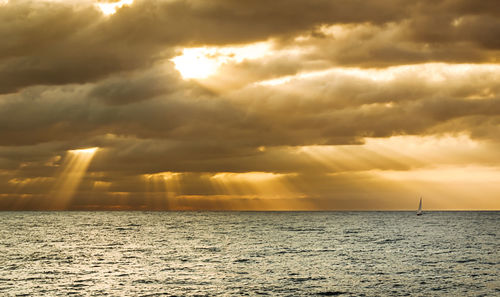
column 249, row 254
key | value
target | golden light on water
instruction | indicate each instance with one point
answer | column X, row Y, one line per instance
column 73, row 170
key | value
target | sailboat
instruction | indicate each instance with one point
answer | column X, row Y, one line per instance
column 419, row 210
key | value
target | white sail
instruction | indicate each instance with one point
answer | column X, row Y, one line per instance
column 419, row 210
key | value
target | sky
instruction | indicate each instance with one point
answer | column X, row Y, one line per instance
column 249, row 105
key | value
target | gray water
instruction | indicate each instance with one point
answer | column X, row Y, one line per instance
column 249, row 254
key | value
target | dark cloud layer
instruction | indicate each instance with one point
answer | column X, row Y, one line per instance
column 78, row 44
column 72, row 77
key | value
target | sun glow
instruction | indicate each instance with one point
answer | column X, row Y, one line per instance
column 446, row 187
column 109, row 8
column 195, row 63
column 82, row 152
column 466, row 174
column 74, row 168
column 202, row 62
column 411, row 166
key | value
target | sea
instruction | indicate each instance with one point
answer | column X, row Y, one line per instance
column 249, row 254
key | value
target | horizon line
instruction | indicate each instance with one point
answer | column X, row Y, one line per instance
column 242, row 210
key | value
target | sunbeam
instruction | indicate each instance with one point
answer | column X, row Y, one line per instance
column 161, row 189
column 73, row 170
column 261, row 184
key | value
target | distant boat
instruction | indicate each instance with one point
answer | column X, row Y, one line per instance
column 419, row 210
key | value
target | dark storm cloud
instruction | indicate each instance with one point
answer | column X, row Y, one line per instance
column 205, row 125
column 478, row 29
column 339, row 108
column 57, row 43
column 71, row 77
column 54, row 114
column 225, row 21
column 78, row 44
column 370, row 46
column 132, row 87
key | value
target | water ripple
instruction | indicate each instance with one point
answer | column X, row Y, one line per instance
column 249, row 254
